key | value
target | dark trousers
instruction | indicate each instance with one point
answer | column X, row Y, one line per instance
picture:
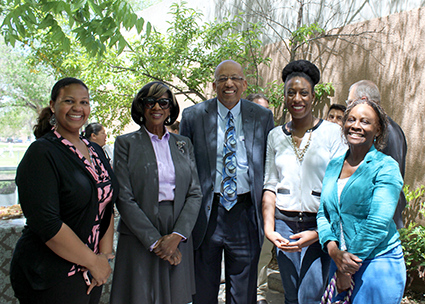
column 72, row 290
column 235, row 233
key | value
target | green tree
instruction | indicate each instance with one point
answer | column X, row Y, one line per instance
column 184, row 57
column 95, row 24
column 24, row 90
column 190, row 51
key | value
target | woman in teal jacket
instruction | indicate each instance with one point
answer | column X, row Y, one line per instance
column 355, row 219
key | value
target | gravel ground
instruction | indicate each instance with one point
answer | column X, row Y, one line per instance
column 413, row 298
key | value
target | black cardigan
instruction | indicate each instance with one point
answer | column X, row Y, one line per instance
column 54, row 188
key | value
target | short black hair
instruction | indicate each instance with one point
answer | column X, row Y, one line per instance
column 63, row 83
column 153, row 89
column 337, row 106
column 381, row 139
column 301, row 68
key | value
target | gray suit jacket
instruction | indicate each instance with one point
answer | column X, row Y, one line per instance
column 136, row 169
column 199, row 123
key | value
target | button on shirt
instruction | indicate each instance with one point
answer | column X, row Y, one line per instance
column 241, row 159
column 166, row 172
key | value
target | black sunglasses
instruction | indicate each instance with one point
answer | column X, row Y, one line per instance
column 149, row 102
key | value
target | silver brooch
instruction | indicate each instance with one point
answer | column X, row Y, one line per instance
column 180, row 144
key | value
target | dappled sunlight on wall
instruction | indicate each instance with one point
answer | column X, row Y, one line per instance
column 389, row 51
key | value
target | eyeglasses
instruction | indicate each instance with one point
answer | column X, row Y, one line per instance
column 223, row 79
column 149, row 102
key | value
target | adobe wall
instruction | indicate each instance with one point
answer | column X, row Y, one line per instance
column 394, row 59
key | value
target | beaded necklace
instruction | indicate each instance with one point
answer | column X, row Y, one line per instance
column 299, row 153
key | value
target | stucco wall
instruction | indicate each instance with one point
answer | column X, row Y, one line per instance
column 394, row 59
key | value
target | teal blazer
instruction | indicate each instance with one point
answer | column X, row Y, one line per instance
column 368, row 202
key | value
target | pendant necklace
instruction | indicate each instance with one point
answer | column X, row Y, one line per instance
column 301, row 152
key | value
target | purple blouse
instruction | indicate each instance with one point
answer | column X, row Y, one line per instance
column 166, row 172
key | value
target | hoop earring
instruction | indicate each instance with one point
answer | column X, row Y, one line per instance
column 52, row 120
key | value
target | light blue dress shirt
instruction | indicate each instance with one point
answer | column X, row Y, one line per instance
column 241, row 158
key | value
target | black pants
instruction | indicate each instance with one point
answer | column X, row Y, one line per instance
column 72, row 290
column 233, row 232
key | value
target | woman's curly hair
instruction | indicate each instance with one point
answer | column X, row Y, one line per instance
column 301, row 68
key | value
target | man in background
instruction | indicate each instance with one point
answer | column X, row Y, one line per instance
column 336, row 113
column 174, row 128
column 266, row 251
column 259, row 99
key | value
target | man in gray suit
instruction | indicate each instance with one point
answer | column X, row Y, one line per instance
column 227, row 222
column 396, row 142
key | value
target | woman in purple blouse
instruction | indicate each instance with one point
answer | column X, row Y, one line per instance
column 159, row 203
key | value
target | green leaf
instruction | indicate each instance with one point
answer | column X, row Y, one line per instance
column 20, row 28
column 148, row 29
column 77, row 4
column 31, row 16
column 130, row 21
column 11, row 39
column 121, row 44
column 48, row 21
column 57, row 34
column 66, row 43
column 139, row 25
column 114, row 39
column 96, row 8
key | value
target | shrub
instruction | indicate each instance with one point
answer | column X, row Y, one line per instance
column 413, row 235
column 7, row 187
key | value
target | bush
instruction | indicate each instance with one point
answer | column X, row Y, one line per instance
column 7, row 187
column 415, row 208
column 413, row 243
column 412, row 237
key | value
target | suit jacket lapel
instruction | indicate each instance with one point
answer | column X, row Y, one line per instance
column 178, row 163
column 146, row 149
column 248, row 128
column 210, row 130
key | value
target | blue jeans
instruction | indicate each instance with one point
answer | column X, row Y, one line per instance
column 379, row 280
column 304, row 274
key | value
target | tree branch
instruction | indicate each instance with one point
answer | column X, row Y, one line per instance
column 170, row 84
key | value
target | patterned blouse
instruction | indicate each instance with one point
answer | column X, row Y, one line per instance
column 104, row 190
